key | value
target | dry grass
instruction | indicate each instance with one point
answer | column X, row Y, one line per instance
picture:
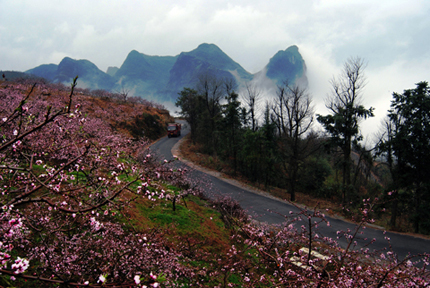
column 120, row 115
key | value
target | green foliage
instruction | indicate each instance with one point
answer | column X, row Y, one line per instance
column 251, row 154
column 181, row 217
column 343, row 125
column 331, row 188
column 275, row 152
column 315, row 172
column 257, row 154
column 191, row 105
column 184, row 219
column 231, row 129
column 234, row 279
column 346, row 113
column 409, row 142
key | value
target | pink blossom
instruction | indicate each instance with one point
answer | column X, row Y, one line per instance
column 102, row 279
column 20, row 265
column 137, row 279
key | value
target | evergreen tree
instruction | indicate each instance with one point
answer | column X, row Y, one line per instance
column 231, row 124
column 191, row 105
column 410, row 145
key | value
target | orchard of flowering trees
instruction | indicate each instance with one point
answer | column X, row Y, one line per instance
column 77, row 192
column 62, row 175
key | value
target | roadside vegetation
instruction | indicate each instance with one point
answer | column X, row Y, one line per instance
column 278, row 149
column 85, row 203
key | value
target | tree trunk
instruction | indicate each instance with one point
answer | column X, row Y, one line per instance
column 394, row 207
column 293, row 180
column 346, row 170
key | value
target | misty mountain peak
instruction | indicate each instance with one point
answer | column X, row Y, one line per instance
column 90, row 76
column 212, row 54
column 286, row 65
column 209, row 48
column 161, row 78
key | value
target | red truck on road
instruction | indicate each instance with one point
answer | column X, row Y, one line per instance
column 174, row 129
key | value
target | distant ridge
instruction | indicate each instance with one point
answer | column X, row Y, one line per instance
column 13, row 75
column 112, row 70
column 161, row 78
column 47, row 71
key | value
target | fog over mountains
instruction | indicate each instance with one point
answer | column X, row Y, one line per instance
column 161, row 78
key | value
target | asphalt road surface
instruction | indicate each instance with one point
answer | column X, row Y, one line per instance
column 274, row 211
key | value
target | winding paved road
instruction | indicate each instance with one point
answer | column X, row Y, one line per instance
column 268, row 209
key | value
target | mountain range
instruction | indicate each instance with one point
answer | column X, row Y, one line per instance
column 161, row 78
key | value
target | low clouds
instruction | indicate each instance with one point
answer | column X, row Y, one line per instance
column 390, row 35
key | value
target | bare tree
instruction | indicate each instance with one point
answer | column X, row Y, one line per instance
column 294, row 116
column 229, row 85
column 346, row 110
column 123, row 94
column 212, row 89
column 278, row 110
column 252, row 98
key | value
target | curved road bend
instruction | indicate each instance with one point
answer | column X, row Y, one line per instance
column 270, row 210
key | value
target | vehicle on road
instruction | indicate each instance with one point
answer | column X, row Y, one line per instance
column 174, row 129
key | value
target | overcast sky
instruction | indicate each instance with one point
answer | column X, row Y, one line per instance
column 391, row 36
